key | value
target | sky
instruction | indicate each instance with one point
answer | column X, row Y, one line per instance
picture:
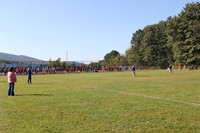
column 77, row 30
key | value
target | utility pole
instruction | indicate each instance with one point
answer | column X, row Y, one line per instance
column 66, row 56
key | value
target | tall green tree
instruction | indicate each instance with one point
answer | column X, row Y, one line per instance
column 184, row 35
column 112, row 58
column 148, row 46
column 175, row 41
column 56, row 63
column 154, row 42
column 134, row 55
column 123, row 60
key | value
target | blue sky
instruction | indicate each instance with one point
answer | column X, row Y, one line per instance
column 78, row 30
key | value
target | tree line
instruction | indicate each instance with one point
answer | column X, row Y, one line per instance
column 175, row 41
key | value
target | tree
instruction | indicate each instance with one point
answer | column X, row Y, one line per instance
column 175, row 41
column 50, row 63
column 56, row 63
column 123, row 60
column 148, row 46
column 134, row 55
column 184, row 35
column 112, row 58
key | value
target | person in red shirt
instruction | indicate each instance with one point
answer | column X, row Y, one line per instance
column 11, row 81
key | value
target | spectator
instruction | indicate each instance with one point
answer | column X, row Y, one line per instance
column 11, row 81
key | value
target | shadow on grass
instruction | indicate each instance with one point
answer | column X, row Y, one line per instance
column 33, row 94
column 142, row 76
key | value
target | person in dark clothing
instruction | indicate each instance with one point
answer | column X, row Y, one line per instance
column 170, row 68
column 29, row 74
column 133, row 70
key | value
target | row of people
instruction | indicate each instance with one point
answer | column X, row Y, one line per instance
column 52, row 70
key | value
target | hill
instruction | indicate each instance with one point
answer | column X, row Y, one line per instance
column 5, row 57
column 21, row 58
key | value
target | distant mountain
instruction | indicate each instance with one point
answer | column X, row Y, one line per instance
column 21, row 58
column 27, row 60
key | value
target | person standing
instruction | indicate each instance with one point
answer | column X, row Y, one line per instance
column 133, row 70
column 29, row 73
column 11, row 81
column 170, row 68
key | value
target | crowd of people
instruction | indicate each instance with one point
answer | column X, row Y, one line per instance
column 56, row 70
column 22, row 70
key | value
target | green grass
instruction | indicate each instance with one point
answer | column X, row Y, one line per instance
column 154, row 101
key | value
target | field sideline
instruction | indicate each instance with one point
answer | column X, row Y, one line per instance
column 153, row 101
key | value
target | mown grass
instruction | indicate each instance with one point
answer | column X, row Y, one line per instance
column 154, row 101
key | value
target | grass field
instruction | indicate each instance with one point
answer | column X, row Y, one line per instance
column 154, row 101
